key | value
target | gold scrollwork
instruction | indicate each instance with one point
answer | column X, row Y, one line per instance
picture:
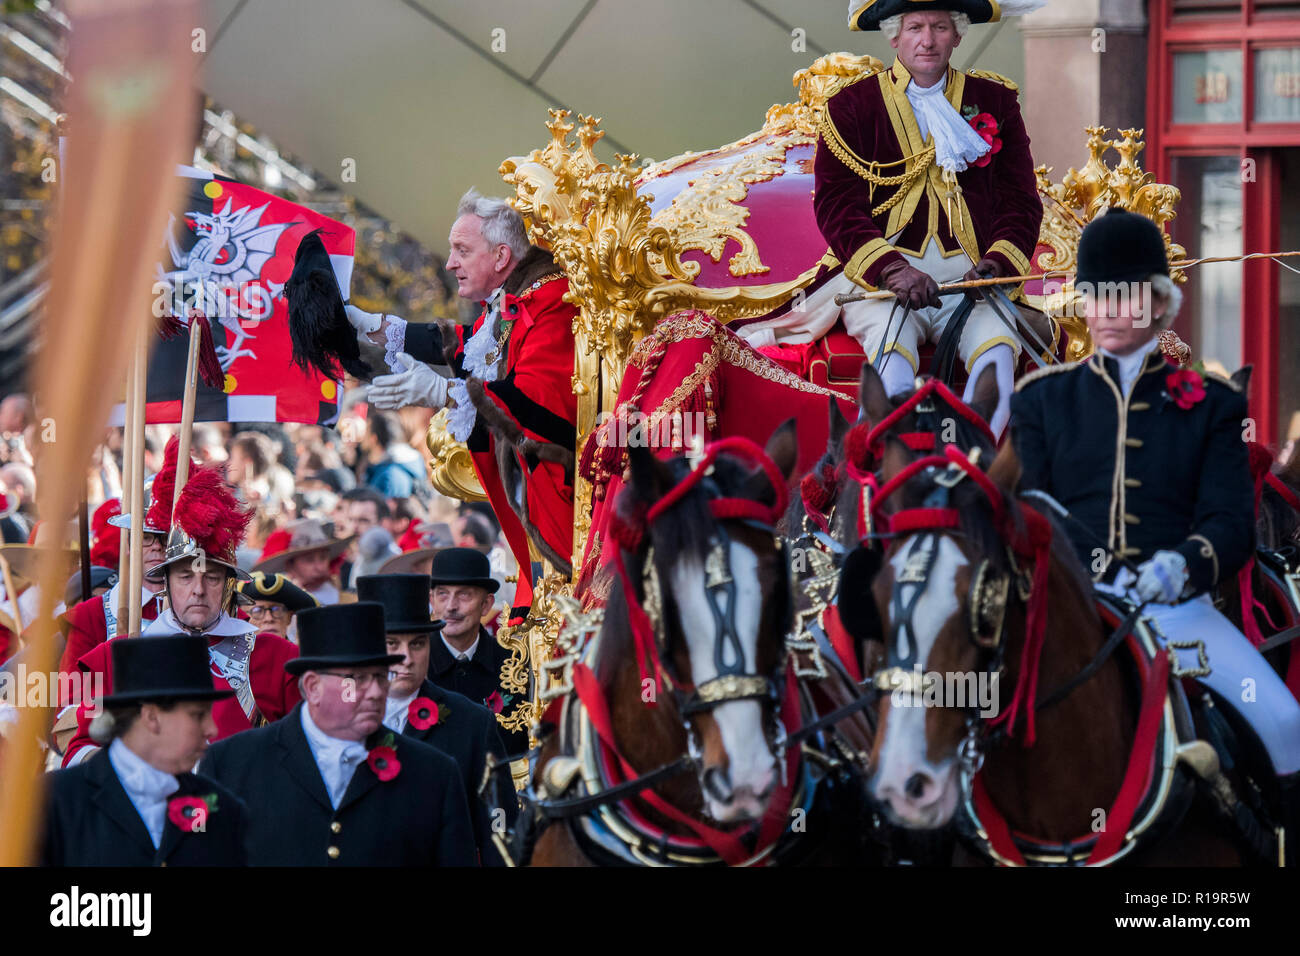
column 451, row 470
column 1081, row 196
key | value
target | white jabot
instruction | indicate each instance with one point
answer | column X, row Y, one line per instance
column 466, row 654
column 146, row 787
column 396, row 713
column 956, row 144
column 1130, row 366
column 337, row 759
column 481, row 345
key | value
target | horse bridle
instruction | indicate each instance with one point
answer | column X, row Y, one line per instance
column 733, row 682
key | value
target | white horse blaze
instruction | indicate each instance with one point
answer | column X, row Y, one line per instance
column 903, row 750
column 751, row 762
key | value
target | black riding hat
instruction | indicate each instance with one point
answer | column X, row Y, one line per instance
column 405, row 598
column 463, row 566
column 341, row 635
column 1120, row 246
column 161, row 668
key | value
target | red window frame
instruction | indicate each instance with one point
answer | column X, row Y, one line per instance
column 1249, row 30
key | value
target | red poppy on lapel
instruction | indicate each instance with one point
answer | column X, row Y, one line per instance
column 1186, row 387
column 494, row 703
column 423, row 713
column 384, row 763
column 987, row 127
column 190, row 814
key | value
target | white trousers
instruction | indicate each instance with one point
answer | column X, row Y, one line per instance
column 1238, row 674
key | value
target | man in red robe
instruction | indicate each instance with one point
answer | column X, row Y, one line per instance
column 513, row 378
column 199, row 573
column 923, row 176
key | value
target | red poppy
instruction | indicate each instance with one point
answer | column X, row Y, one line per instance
column 422, row 714
column 383, row 761
column 1186, row 387
column 987, row 127
column 494, row 702
column 190, row 814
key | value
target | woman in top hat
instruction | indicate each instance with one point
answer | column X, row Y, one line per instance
column 465, row 730
column 329, row 785
column 1151, row 465
column 136, row 803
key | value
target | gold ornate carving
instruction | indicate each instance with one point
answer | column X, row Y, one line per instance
column 451, row 471
column 531, row 644
column 1079, row 198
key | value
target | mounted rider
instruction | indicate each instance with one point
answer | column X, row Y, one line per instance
column 923, row 176
column 1151, row 464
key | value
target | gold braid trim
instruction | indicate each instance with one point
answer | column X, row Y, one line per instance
column 870, row 171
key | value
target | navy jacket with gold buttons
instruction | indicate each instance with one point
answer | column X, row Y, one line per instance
column 1141, row 473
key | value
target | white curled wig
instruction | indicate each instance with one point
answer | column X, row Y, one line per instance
column 1167, row 290
column 891, row 27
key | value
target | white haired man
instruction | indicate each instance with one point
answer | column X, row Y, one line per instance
column 923, row 176
column 512, row 375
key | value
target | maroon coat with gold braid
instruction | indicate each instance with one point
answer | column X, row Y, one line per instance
column 532, row 396
column 870, row 124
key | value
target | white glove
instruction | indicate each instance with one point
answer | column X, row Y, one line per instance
column 1162, row 579
column 363, row 322
column 418, row 385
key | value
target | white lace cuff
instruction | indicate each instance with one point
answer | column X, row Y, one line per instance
column 394, row 342
column 461, row 417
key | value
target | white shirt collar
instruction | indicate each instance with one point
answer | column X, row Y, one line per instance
column 468, row 652
column 337, row 759
column 1131, row 365
column 396, row 712
column 146, row 786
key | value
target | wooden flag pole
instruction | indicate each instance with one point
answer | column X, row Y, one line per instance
column 132, row 109
column 129, row 465
column 137, row 486
column 12, row 595
column 186, row 434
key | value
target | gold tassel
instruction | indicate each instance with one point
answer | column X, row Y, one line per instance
column 953, row 192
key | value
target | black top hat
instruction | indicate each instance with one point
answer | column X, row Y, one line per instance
column 463, row 566
column 1120, row 246
column 341, row 635
column 405, row 598
column 159, row 668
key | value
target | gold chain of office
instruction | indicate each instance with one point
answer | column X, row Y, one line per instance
column 870, row 170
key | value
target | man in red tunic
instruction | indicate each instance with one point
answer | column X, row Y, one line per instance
column 923, row 176
column 513, row 377
column 199, row 574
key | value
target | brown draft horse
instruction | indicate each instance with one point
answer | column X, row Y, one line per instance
column 714, row 584
column 921, row 617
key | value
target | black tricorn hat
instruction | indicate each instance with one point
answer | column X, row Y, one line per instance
column 405, row 598
column 318, row 325
column 341, row 635
column 1120, row 246
column 463, row 566
column 278, row 589
column 867, row 14
column 161, row 668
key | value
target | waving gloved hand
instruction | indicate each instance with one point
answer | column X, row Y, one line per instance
column 911, row 286
column 1162, row 579
column 418, row 385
